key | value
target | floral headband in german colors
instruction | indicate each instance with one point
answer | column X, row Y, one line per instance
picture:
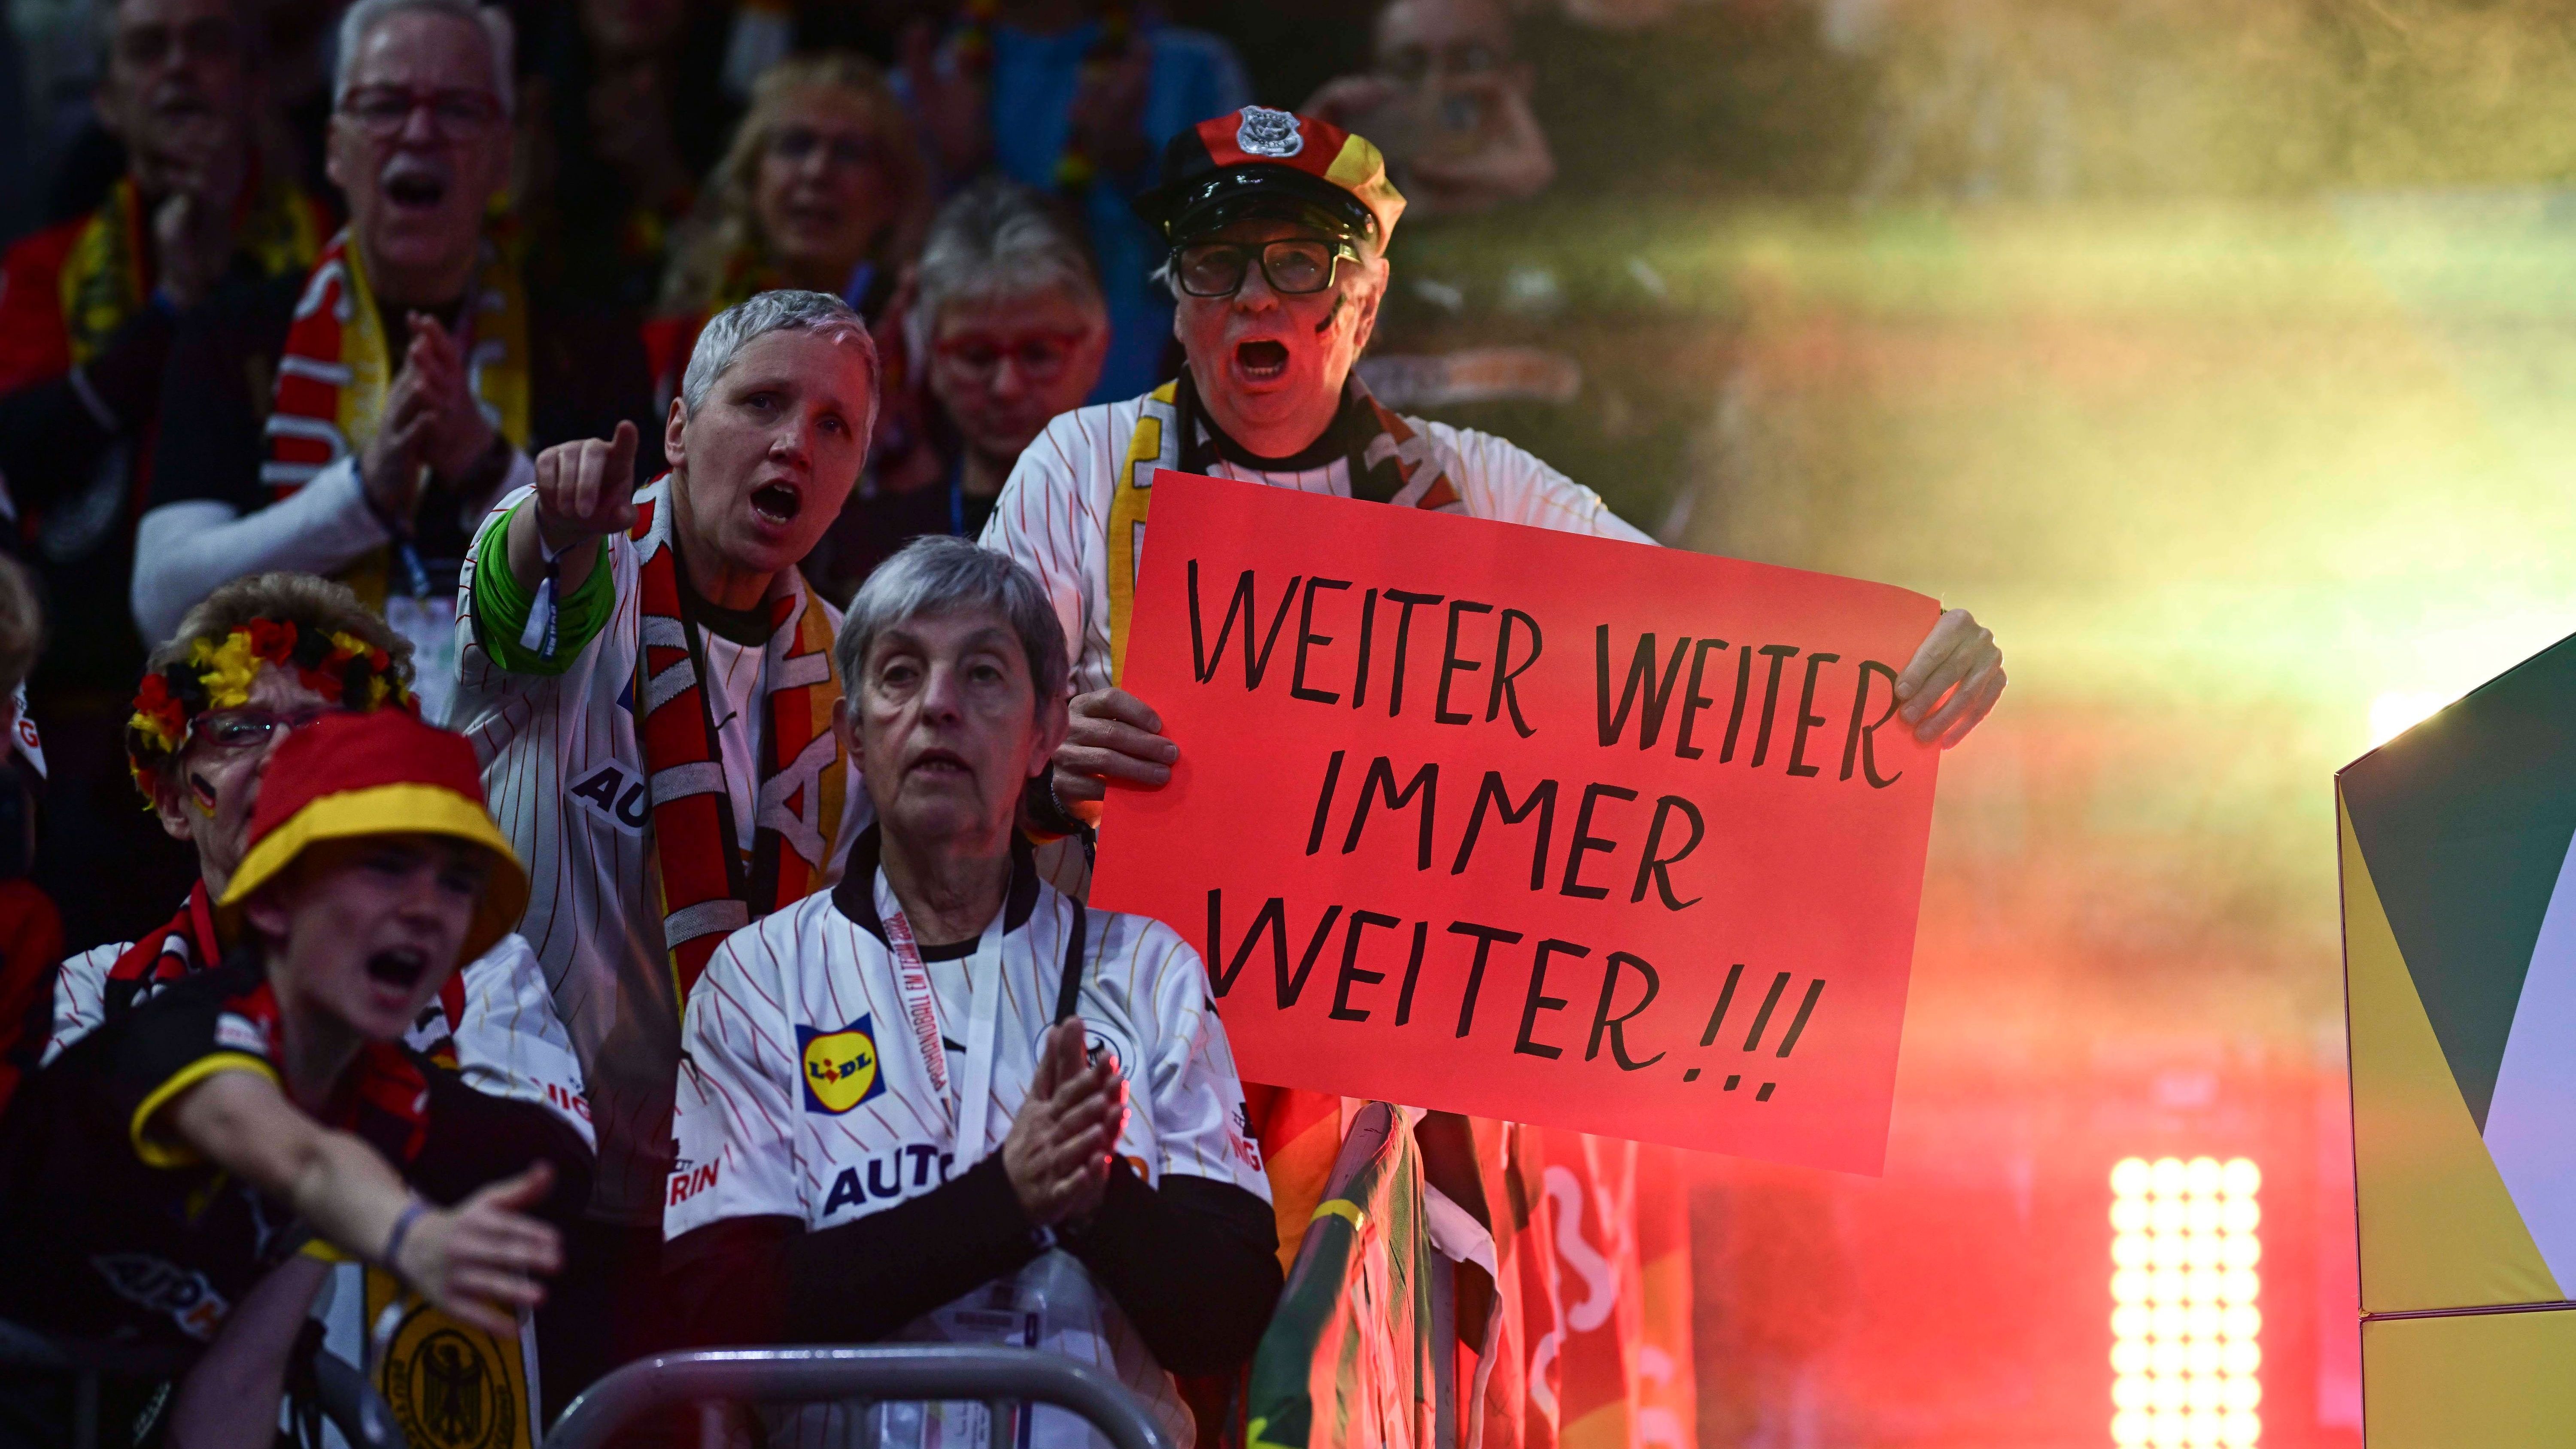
column 218, row 674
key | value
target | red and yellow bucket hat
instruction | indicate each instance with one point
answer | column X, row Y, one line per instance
column 380, row 773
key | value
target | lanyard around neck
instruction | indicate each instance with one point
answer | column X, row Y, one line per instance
column 970, row 1102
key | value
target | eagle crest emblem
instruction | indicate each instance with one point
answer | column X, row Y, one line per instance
column 1265, row 132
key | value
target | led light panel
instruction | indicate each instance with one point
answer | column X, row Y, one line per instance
column 2186, row 1329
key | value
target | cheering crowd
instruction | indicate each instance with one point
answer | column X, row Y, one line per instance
column 635, row 662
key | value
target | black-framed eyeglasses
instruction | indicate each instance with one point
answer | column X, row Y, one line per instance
column 1293, row 265
column 454, row 115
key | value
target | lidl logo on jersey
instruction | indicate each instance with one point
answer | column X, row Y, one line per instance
column 840, row 1066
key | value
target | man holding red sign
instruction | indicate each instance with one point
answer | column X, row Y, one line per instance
column 1278, row 225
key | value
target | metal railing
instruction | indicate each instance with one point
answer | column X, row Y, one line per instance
column 342, row 1393
column 904, row 1374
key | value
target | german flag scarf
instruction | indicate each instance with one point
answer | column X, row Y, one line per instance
column 1389, row 463
column 708, row 889
column 188, row 943
column 107, row 274
column 337, row 368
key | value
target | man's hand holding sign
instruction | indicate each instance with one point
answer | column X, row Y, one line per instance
column 1532, row 825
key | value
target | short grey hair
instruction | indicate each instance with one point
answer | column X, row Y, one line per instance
column 999, row 239
column 498, row 37
column 785, row 310
column 941, row 574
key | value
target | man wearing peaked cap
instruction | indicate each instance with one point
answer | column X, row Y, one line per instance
column 153, row 1176
column 1278, row 226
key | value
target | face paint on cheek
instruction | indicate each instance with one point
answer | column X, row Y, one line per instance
column 203, row 791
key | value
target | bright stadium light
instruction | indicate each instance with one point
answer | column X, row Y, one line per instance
column 2186, row 1350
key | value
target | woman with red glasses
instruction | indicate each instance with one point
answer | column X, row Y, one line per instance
column 1011, row 329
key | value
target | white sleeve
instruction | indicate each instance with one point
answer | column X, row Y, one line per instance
column 80, row 997
column 476, row 673
column 1192, row 1094
column 734, row 1113
column 1507, row 482
column 185, row 551
column 512, row 1044
column 1049, row 521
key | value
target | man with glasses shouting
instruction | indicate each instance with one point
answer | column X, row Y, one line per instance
column 402, row 383
column 1278, row 225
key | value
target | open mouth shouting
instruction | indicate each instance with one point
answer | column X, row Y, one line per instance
column 400, row 967
column 414, row 187
column 1261, row 360
column 777, row 503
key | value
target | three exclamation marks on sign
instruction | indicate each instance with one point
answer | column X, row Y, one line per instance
column 1761, row 1024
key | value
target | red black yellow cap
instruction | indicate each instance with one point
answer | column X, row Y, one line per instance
column 1258, row 162
column 381, row 773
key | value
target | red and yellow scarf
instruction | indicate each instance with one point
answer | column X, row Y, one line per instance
column 1165, row 437
column 107, row 274
column 337, row 368
column 708, row 889
column 188, row 943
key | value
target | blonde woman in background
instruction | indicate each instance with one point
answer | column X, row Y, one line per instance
column 824, row 189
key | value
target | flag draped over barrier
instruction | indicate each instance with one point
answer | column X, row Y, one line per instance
column 1473, row 1284
column 1348, row 1361
column 2459, row 904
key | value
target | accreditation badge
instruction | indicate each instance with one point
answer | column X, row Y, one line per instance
column 430, row 624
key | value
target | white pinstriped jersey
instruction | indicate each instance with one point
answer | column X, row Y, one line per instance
column 803, row 1092
column 563, row 768
column 509, row 1042
column 1053, row 515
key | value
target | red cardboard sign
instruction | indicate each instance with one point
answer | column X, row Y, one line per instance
column 1531, row 825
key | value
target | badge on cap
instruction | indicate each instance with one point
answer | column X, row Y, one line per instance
column 1265, row 132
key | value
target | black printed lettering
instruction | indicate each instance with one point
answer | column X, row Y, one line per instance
column 1351, row 973
column 1507, row 674
column 1641, row 680
column 1863, row 739
column 1485, row 936
column 1616, row 1027
column 1538, row 1001
column 1693, row 701
column 1586, row 843
column 1807, row 717
column 1661, row 866
column 1451, row 665
column 1380, row 781
column 1306, row 635
column 1542, row 798
column 1273, row 915
column 1779, row 654
column 1403, row 640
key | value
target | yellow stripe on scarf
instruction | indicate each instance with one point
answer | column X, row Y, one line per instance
column 496, row 367
column 1157, row 444
column 103, row 282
